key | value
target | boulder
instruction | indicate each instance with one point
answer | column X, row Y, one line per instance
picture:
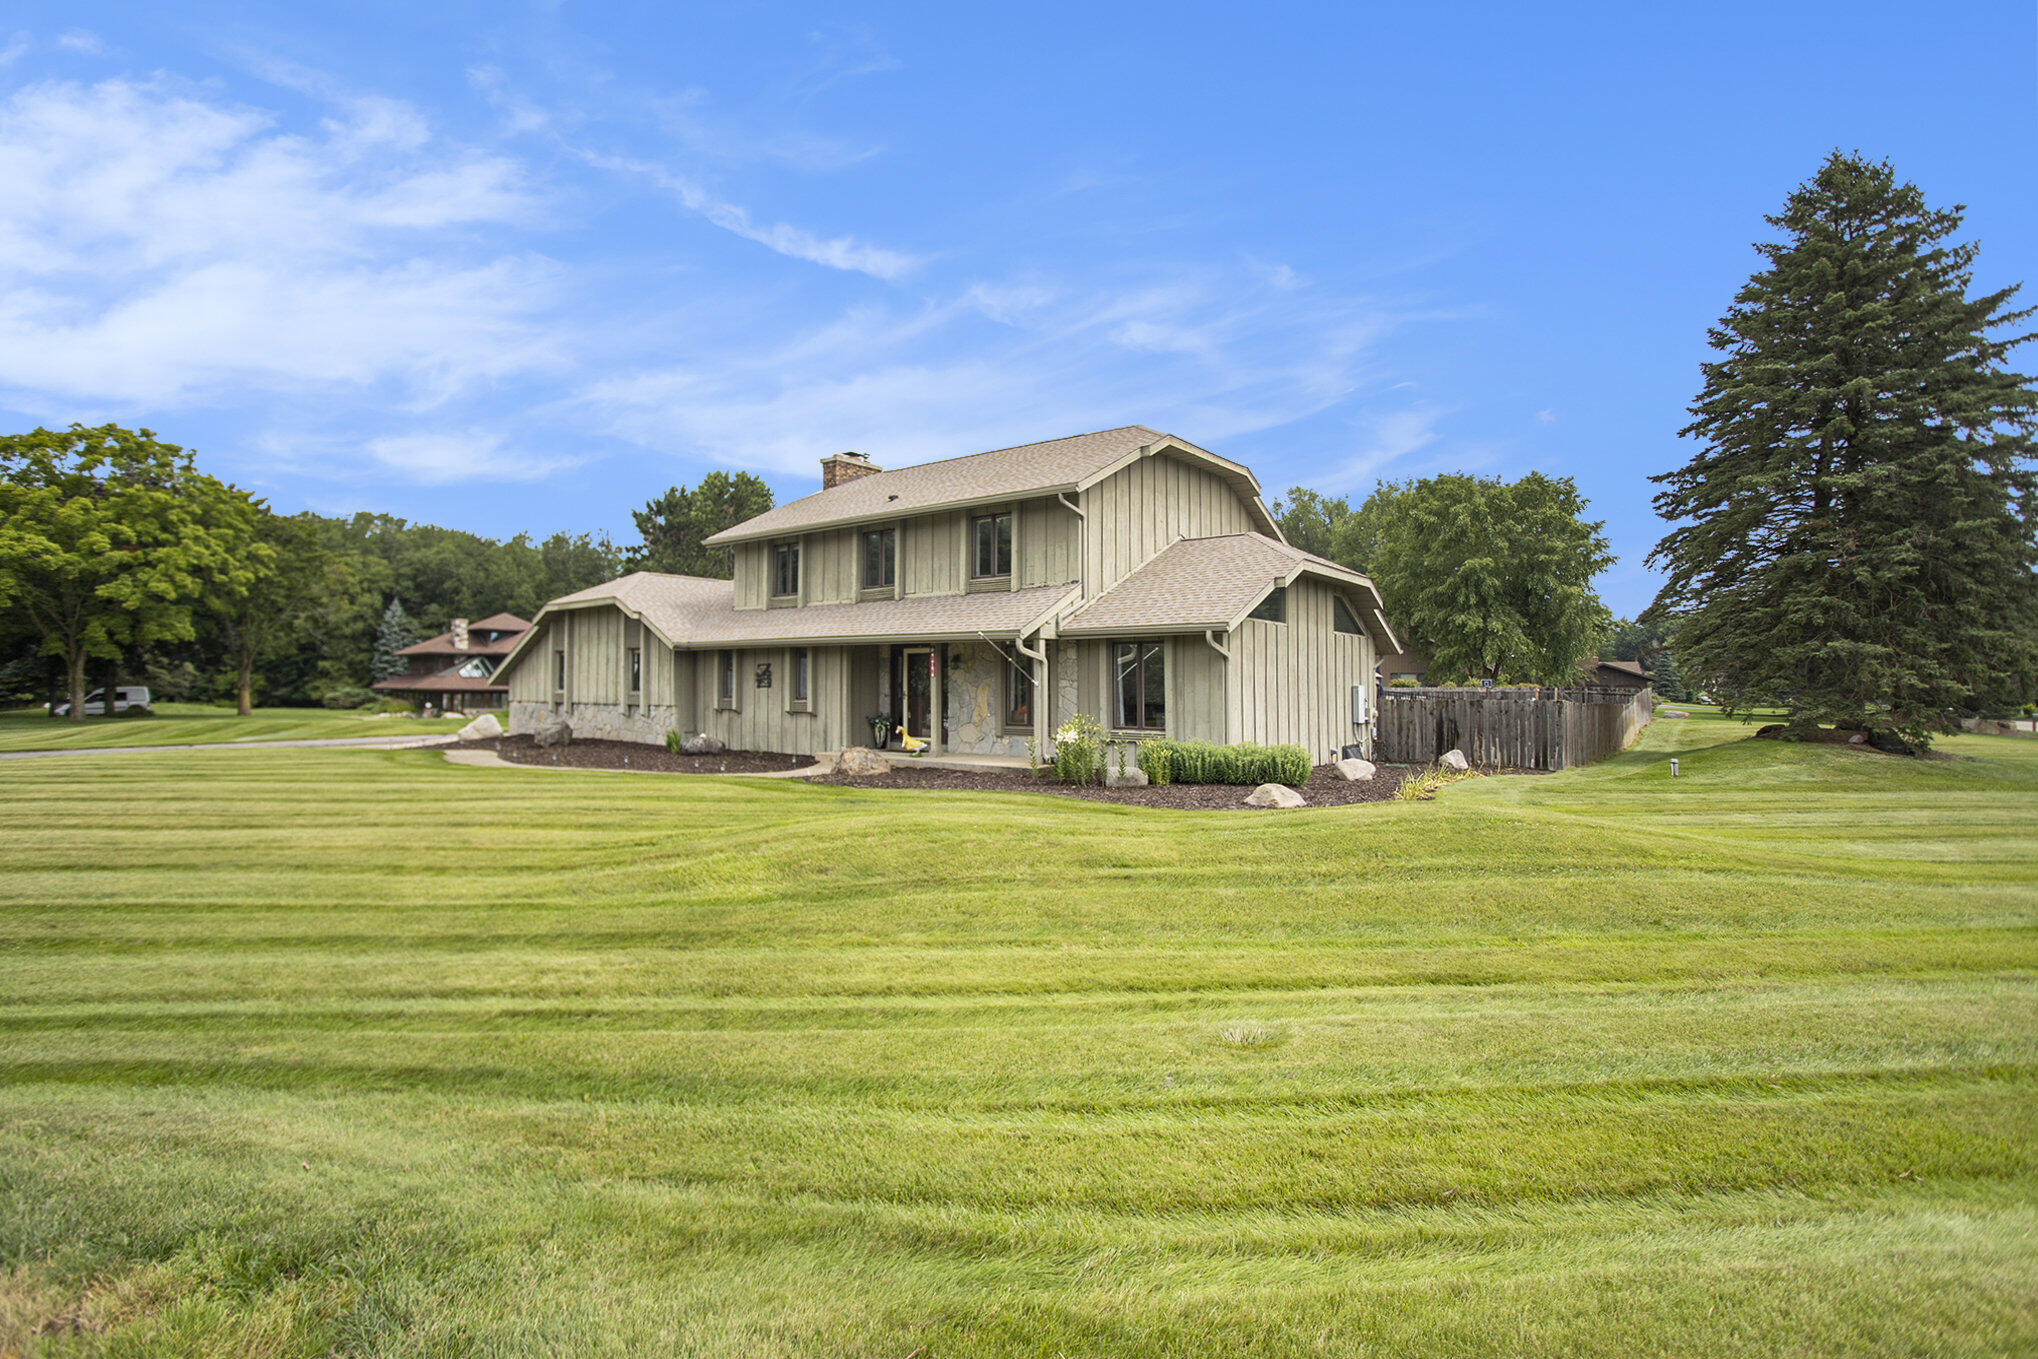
column 1355, row 770
column 553, row 731
column 482, row 728
column 1274, row 795
column 1859, row 738
column 1455, row 760
column 702, row 744
column 861, row 762
column 1133, row 777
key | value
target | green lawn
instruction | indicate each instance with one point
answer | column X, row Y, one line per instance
column 311, row 1051
column 189, row 724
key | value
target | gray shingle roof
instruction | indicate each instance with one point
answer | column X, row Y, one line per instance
column 688, row 611
column 1207, row 583
column 1029, row 469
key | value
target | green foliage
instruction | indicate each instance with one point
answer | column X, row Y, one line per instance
column 392, row 635
column 1310, row 521
column 343, row 699
column 1079, row 751
column 110, row 538
column 1492, row 576
column 1855, row 537
column 1205, row 762
column 1422, row 785
column 673, row 740
column 1404, row 683
column 674, row 527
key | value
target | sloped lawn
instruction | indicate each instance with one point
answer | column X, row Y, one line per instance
column 185, row 724
column 309, row 1051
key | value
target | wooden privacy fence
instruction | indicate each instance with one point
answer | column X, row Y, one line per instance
column 1512, row 728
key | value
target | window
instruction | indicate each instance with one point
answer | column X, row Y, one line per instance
column 636, row 670
column 880, row 558
column 785, row 569
column 1141, row 685
column 559, row 670
column 1274, row 608
column 1018, row 694
column 991, row 535
column 725, row 681
column 1341, row 617
column 796, row 666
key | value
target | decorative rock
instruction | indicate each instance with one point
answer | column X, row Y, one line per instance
column 1133, row 777
column 1274, row 795
column 1455, row 759
column 554, row 731
column 1355, row 771
column 862, row 762
column 1671, row 712
column 1859, row 738
column 482, row 728
column 702, row 744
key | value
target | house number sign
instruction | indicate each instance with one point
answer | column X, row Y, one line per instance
column 764, row 675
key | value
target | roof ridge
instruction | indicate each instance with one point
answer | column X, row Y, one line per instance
column 984, row 453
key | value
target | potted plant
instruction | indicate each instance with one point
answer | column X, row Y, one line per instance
column 880, row 730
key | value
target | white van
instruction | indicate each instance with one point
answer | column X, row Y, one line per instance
column 125, row 697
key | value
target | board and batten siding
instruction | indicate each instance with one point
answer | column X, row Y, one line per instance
column 931, row 554
column 1049, row 537
column 530, row 676
column 1136, row 512
column 760, row 720
column 1290, row 683
column 752, row 567
column 1197, row 710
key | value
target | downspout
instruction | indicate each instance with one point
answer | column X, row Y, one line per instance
column 1210, row 636
column 1043, row 691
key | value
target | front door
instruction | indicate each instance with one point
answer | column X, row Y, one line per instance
column 919, row 690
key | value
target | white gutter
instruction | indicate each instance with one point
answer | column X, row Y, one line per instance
column 1210, row 636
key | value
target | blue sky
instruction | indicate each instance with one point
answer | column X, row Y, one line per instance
column 510, row 267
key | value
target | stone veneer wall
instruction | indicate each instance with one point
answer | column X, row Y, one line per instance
column 975, row 695
column 600, row 721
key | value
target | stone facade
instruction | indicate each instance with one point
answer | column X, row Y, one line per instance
column 600, row 721
column 976, row 698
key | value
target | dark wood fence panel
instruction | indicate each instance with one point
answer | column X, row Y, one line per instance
column 1510, row 728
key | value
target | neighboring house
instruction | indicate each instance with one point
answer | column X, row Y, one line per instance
column 458, row 668
column 978, row 603
column 1409, row 664
column 1628, row 676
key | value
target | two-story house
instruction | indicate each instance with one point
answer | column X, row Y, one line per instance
column 979, row 602
column 458, row 668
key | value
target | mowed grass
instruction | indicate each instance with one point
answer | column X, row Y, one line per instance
column 309, row 1052
column 187, row 724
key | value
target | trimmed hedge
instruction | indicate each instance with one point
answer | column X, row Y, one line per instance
column 1167, row 762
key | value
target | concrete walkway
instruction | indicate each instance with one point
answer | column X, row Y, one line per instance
column 323, row 743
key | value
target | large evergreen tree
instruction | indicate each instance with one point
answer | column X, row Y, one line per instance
column 1855, row 539
column 392, row 635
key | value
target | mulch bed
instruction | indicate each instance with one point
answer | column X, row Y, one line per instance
column 580, row 754
column 1324, row 789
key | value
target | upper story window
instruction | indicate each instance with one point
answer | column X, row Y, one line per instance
column 991, row 545
column 1274, row 608
column 880, row 558
column 785, row 569
column 1140, row 682
column 636, row 669
column 1341, row 616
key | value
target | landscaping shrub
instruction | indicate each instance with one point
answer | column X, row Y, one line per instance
column 349, row 698
column 1404, row 683
column 1168, row 762
column 673, row 740
column 1079, row 751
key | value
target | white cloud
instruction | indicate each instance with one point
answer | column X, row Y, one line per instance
column 159, row 245
column 443, row 457
column 1547, row 417
column 81, row 41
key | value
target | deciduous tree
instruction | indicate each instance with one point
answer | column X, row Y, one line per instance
column 675, row 525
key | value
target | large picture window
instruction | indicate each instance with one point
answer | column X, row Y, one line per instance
column 880, row 558
column 1018, row 694
column 1140, row 685
column 991, row 554
column 785, row 569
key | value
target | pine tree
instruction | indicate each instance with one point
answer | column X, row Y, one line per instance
column 392, row 635
column 1855, row 538
column 1666, row 681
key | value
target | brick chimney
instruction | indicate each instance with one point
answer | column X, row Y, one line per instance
column 837, row 468
column 459, row 634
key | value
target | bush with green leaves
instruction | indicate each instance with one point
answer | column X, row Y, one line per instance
column 673, row 740
column 1168, row 762
column 1079, row 751
column 348, row 698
